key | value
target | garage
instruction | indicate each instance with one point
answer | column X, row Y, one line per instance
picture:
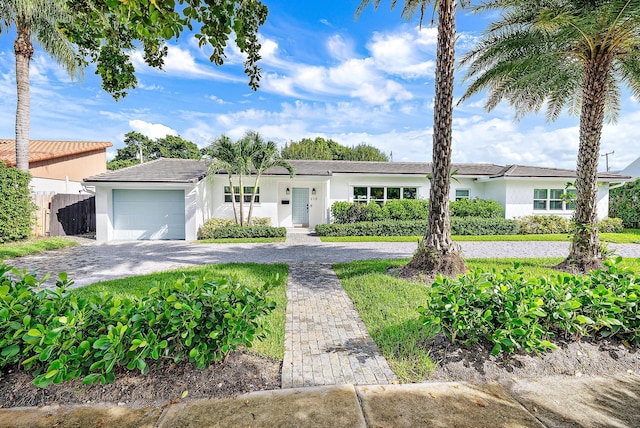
column 148, row 214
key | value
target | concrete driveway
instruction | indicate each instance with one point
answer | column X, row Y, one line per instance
column 91, row 262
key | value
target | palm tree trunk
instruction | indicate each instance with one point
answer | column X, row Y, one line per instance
column 437, row 253
column 585, row 252
column 253, row 197
column 233, row 199
column 23, row 49
column 241, row 200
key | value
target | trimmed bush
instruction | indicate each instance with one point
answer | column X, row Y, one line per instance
column 16, row 205
column 610, row 225
column 396, row 209
column 238, row 231
column 542, row 224
column 624, row 203
column 485, row 208
column 261, row 221
column 58, row 336
column 207, row 230
column 339, row 211
column 459, row 226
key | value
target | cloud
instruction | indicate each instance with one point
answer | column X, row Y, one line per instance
column 151, row 130
column 403, row 53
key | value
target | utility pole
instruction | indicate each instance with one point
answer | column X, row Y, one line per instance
column 606, row 158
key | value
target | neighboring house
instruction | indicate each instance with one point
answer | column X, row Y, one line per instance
column 59, row 166
column 171, row 199
column 633, row 169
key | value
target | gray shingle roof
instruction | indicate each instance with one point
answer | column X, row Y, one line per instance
column 192, row 171
column 157, row 171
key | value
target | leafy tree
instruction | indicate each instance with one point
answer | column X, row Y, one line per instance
column 624, row 203
column 321, row 149
column 226, row 156
column 34, row 21
column 166, row 147
column 105, row 32
column 437, row 252
column 557, row 54
column 16, row 205
column 264, row 155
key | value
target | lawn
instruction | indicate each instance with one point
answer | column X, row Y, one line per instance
column 240, row 241
column 249, row 274
column 629, row 236
column 388, row 306
column 33, row 246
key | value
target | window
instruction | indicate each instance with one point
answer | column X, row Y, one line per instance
column 554, row 199
column 247, row 194
column 462, row 194
column 383, row 194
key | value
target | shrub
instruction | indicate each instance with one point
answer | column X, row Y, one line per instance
column 485, row 208
column 413, row 209
column 58, row 336
column 610, row 225
column 459, row 226
column 374, row 212
column 16, row 205
column 543, row 224
column 339, row 211
column 238, row 231
column 519, row 314
column 206, row 230
column 397, row 209
column 624, row 203
column 261, row 221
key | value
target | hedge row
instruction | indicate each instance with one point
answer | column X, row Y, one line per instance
column 463, row 226
column 16, row 205
column 209, row 230
column 59, row 336
column 459, row 226
column 248, row 232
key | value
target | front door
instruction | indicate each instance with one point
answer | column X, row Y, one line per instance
column 300, row 214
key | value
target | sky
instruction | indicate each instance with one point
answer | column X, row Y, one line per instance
column 324, row 74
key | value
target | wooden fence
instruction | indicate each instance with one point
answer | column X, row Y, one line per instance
column 64, row 214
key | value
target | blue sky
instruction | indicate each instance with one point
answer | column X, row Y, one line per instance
column 323, row 74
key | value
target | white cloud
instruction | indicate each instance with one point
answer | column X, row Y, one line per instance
column 151, row 130
column 403, row 53
column 339, row 48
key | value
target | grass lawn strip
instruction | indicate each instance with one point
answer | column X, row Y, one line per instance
column 33, row 246
column 388, row 306
column 629, row 236
column 240, row 241
column 248, row 274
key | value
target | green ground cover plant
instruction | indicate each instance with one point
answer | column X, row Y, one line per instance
column 33, row 246
column 61, row 335
column 241, row 240
column 389, row 305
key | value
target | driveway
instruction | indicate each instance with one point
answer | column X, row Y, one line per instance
column 92, row 262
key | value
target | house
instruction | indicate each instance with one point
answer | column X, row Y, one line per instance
column 59, row 166
column 172, row 198
column 633, row 169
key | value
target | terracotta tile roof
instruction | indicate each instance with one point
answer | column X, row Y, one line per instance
column 40, row 150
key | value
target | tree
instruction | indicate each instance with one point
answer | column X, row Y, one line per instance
column 34, row 20
column 321, row 149
column 139, row 148
column 264, row 155
column 226, row 156
column 437, row 253
column 557, row 54
column 106, row 31
column 624, row 203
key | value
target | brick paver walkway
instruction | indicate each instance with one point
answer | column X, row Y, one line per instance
column 326, row 342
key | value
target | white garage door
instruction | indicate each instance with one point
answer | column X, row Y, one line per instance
column 148, row 214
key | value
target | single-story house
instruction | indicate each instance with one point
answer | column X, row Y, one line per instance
column 59, row 166
column 172, row 198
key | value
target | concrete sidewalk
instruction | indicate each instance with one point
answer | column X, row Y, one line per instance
column 552, row 402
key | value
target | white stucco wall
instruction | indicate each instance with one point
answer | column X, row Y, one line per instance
column 50, row 185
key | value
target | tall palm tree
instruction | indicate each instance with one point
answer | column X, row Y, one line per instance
column 437, row 252
column 264, row 156
column 34, row 20
column 557, row 54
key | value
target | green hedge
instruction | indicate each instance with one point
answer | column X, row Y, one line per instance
column 248, row 232
column 16, row 205
column 543, row 224
column 207, row 230
column 485, row 208
column 59, row 336
column 459, row 226
column 624, row 203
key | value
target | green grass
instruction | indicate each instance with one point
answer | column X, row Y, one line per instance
column 629, row 236
column 240, row 240
column 33, row 246
column 249, row 274
column 388, row 306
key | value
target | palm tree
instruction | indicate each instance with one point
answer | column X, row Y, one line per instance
column 225, row 156
column 557, row 54
column 437, row 252
column 34, row 20
column 264, row 156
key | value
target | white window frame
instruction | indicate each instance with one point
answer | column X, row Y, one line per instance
column 468, row 196
column 548, row 200
column 247, row 195
column 368, row 198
